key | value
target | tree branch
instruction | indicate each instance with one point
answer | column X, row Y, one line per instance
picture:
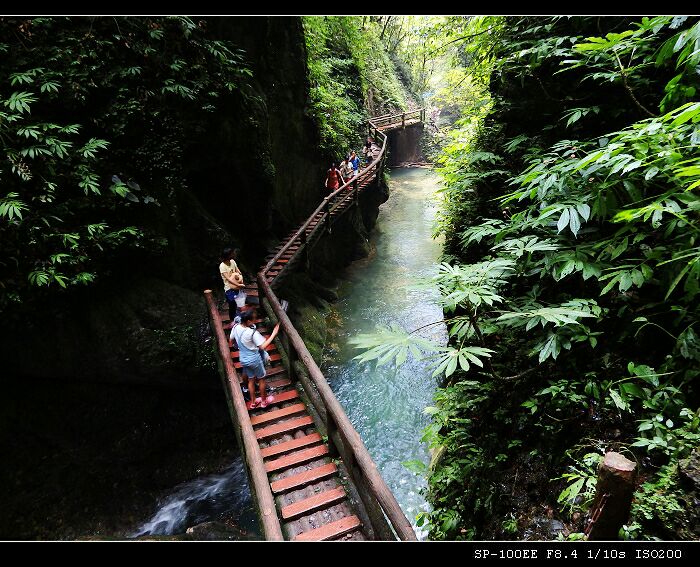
column 388, row 19
column 460, row 39
column 517, row 376
column 638, row 104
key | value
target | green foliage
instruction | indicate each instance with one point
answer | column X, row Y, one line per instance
column 393, row 344
column 510, row 524
column 383, row 91
column 571, row 221
column 453, row 481
column 581, row 478
column 660, row 504
column 347, row 65
column 85, row 102
column 331, row 69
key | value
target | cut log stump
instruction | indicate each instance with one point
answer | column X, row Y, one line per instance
column 613, row 498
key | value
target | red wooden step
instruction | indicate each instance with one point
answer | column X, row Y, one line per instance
column 284, row 427
column 296, row 458
column 316, row 502
column 274, row 371
column 283, row 397
column 331, row 531
column 287, row 446
column 303, row 478
column 277, row 414
column 278, row 383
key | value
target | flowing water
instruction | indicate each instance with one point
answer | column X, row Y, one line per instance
column 386, row 403
column 221, row 496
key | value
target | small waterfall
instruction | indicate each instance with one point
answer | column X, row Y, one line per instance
column 203, row 499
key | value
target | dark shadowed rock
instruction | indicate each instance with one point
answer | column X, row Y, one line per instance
column 689, row 470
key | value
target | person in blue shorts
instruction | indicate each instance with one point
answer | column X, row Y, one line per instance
column 252, row 353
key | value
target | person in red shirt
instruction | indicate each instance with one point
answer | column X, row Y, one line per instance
column 333, row 178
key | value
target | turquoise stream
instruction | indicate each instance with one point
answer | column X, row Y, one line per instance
column 386, row 403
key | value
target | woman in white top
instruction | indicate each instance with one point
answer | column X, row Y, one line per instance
column 346, row 169
column 251, row 353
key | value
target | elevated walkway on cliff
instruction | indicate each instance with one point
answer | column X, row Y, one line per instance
column 311, row 475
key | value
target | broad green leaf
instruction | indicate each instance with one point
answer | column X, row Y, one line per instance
column 617, row 399
column 563, row 220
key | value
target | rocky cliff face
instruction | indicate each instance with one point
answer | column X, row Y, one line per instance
column 261, row 170
column 405, row 146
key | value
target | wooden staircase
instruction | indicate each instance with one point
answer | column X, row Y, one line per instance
column 309, row 495
column 302, row 470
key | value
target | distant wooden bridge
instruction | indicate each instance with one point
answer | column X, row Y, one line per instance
column 311, row 475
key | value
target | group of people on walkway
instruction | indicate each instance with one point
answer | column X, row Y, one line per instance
column 252, row 345
column 339, row 174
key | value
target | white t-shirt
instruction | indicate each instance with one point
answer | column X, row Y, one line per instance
column 249, row 336
column 346, row 169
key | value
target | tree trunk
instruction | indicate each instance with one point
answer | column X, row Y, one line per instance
column 388, row 19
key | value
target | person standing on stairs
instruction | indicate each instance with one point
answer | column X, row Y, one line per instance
column 252, row 353
column 367, row 150
column 333, row 177
column 346, row 169
column 355, row 161
column 233, row 280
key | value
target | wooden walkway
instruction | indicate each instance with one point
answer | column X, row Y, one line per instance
column 311, row 475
